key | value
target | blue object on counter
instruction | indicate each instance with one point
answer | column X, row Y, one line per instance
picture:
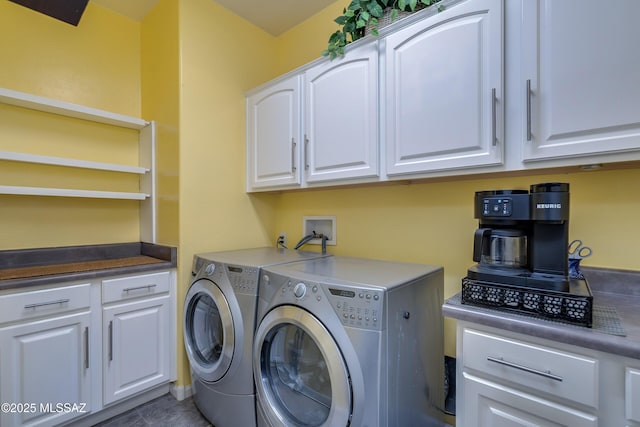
column 574, row 268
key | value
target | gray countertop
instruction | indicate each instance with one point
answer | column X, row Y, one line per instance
column 33, row 267
column 612, row 289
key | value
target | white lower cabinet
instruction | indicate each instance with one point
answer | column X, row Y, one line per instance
column 506, row 381
column 489, row 404
column 45, row 340
column 136, row 331
column 632, row 396
column 136, row 339
column 56, row 362
column 511, row 379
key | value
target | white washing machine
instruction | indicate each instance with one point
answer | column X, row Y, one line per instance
column 219, row 322
column 350, row 342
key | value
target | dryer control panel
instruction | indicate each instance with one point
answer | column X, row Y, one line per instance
column 355, row 306
column 360, row 308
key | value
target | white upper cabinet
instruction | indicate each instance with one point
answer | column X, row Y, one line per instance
column 273, row 135
column 580, row 78
column 341, row 116
column 444, row 103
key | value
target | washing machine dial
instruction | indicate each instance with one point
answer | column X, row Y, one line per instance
column 299, row 290
column 210, row 269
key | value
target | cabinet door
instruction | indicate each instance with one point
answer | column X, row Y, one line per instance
column 44, row 366
column 487, row 404
column 136, row 347
column 341, row 116
column 583, row 67
column 632, row 394
column 273, row 135
column 444, row 98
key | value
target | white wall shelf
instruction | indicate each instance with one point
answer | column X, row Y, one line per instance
column 67, row 192
column 74, row 163
column 145, row 168
column 48, row 105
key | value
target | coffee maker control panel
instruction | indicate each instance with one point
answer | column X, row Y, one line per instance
column 497, row 207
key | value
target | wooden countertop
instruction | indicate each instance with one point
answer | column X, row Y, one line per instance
column 31, row 267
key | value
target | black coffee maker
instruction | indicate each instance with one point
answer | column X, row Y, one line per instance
column 522, row 237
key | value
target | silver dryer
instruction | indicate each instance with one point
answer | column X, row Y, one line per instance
column 348, row 341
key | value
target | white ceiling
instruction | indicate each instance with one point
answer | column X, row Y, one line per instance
column 273, row 16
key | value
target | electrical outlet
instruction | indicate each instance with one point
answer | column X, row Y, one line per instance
column 282, row 239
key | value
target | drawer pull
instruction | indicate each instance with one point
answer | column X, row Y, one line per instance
column 137, row 288
column 546, row 374
column 43, row 304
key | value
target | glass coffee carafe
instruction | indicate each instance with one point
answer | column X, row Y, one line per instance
column 505, row 248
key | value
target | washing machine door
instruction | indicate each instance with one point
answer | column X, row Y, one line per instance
column 301, row 376
column 208, row 330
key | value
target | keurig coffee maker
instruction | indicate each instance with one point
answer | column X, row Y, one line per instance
column 520, row 248
column 523, row 236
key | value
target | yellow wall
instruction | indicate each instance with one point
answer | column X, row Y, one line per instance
column 306, row 41
column 222, row 57
column 91, row 65
column 160, row 102
column 96, row 64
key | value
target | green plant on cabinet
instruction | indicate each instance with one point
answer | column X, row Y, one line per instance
column 362, row 13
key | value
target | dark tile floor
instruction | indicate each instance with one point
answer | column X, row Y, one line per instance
column 163, row 411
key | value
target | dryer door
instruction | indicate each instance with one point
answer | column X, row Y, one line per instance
column 208, row 330
column 301, row 376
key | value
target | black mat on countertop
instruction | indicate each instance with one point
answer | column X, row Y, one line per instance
column 605, row 319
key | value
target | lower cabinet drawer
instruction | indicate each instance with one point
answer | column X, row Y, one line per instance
column 141, row 285
column 44, row 302
column 632, row 394
column 558, row 373
column 489, row 404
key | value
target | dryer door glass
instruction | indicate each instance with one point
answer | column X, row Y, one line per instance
column 304, row 379
column 298, row 375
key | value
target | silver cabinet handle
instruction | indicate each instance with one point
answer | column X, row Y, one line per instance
column 42, row 304
column 494, row 139
column 546, row 374
column 293, row 155
column 137, row 288
column 306, row 150
column 86, row 348
column 110, row 340
column 529, row 136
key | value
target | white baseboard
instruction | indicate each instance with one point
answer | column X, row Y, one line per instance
column 181, row 392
